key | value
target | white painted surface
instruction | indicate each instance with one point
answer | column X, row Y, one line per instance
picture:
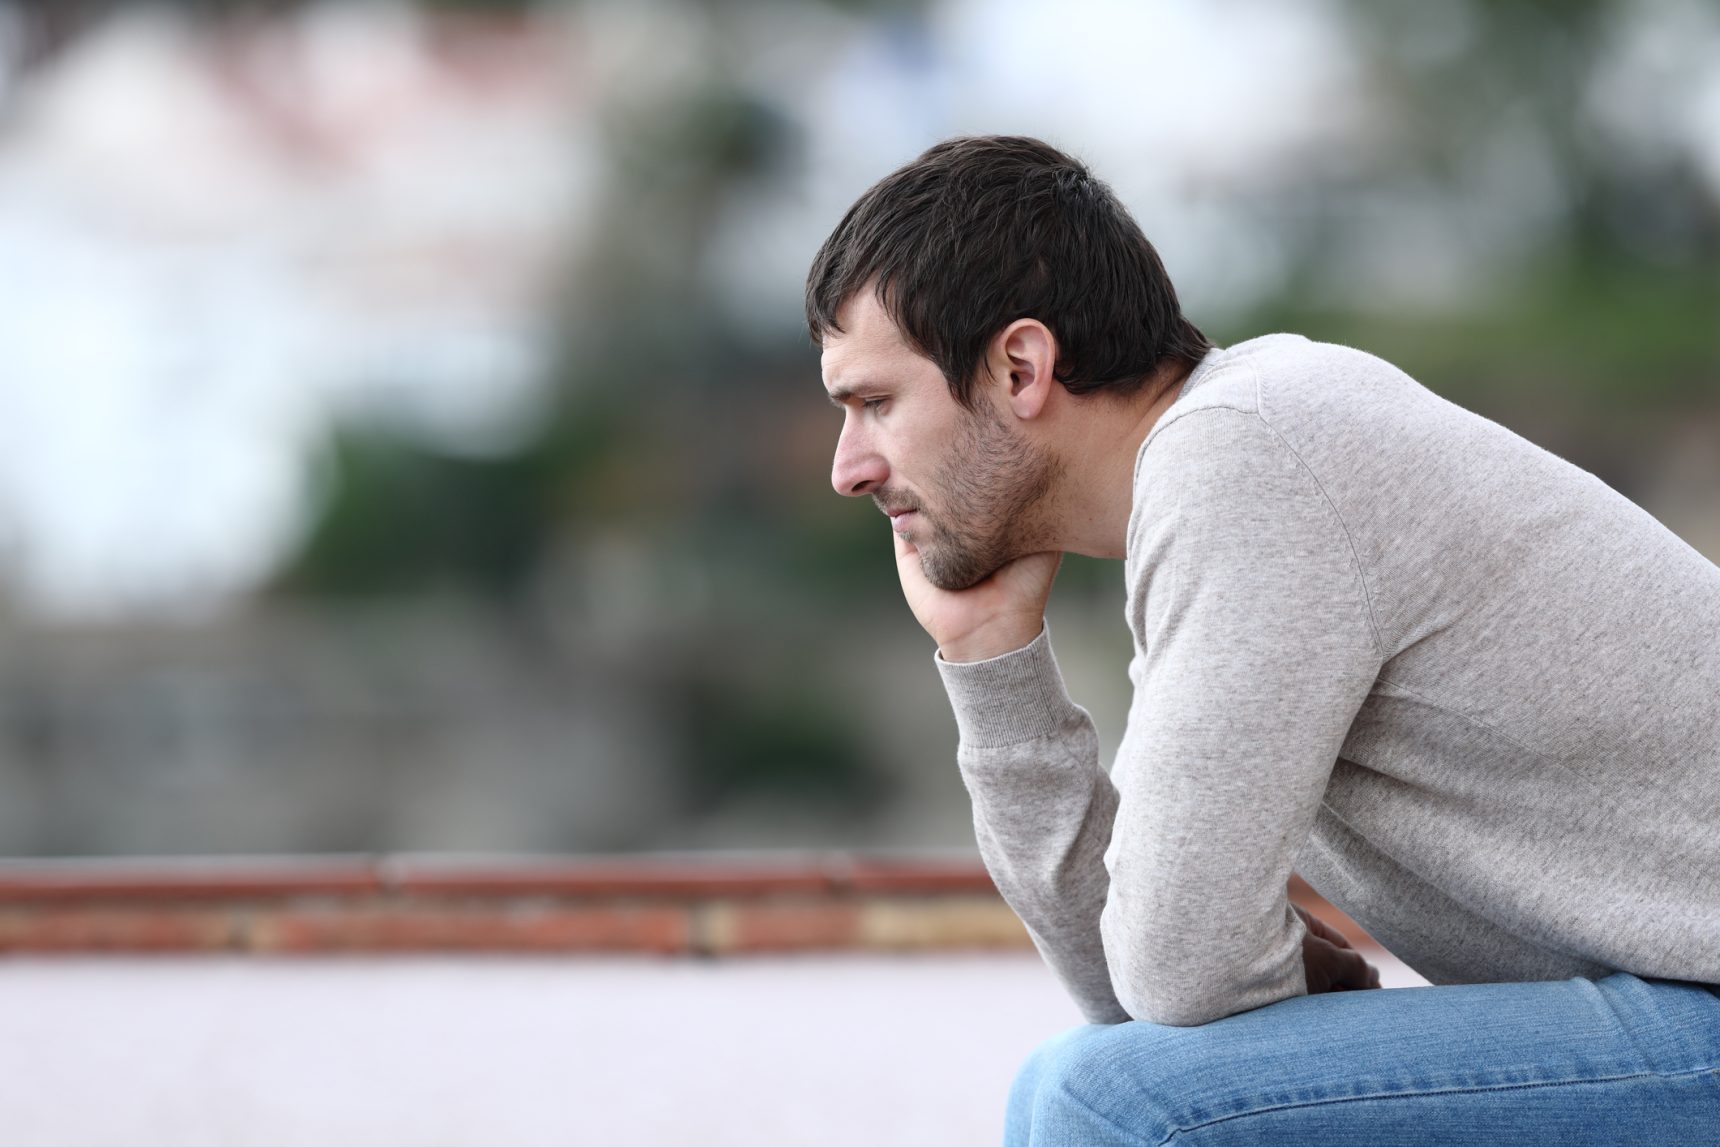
column 435, row 1051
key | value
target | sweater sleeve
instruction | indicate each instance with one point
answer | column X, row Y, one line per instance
column 1158, row 893
column 1042, row 809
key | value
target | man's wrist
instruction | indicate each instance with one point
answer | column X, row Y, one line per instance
column 992, row 641
column 1015, row 696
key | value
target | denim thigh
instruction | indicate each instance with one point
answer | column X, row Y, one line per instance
column 1620, row 1060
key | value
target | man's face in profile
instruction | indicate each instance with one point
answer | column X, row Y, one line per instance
column 962, row 487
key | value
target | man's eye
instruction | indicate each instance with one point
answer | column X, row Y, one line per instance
column 872, row 403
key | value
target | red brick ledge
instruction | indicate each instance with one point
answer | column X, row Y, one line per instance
column 711, row 903
column 668, row 903
column 650, row 875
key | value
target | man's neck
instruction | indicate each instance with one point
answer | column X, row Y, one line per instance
column 1097, row 490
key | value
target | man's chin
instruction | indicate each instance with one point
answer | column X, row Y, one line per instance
column 953, row 577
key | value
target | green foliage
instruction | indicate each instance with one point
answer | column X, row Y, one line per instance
column 1601, row 337
column 1093, row 580
column 402, row 517
column 785, row 737
column 1466, row 82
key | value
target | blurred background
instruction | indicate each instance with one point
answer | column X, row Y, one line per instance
column 410, row 446
column 409, row 439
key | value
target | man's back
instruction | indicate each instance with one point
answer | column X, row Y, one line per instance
column 1531, row 787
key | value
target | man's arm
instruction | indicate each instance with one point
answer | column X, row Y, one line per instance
column 1258, row 650
column 1042, row 809
column 1167, row 886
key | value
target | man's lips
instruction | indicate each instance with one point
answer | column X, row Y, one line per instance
column 899, row 519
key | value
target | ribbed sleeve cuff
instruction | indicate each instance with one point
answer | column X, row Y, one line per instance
column 1013, row 697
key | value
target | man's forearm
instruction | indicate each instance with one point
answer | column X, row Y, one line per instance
column 1043, row 810
column 1052, row 874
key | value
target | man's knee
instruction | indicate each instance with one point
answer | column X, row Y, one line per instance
column 1102, row 1084
column 1045, row 1060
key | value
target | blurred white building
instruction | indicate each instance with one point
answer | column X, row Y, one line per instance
column 215, row 239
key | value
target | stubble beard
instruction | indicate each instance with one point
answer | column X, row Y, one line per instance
column 991, row 489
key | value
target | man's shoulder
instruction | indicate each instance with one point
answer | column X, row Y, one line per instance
column 1297, row 388
column 1282, row 411
column 1268, row 373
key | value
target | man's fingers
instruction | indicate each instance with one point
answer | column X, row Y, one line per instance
column 1331, row 934
column 1322, row 929
column 1355, row 973
column 1334, row 969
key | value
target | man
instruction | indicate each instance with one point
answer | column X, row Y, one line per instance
column 1468, row 691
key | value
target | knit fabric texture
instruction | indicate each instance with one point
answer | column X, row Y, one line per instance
column 1464, row 688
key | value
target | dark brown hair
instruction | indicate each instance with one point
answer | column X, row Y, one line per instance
column 982, row 230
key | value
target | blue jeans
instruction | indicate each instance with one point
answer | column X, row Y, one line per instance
column 1621, row 1060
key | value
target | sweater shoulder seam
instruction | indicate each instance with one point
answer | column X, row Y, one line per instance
column 1343, row 526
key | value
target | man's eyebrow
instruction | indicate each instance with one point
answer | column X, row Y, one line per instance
column 840, row 395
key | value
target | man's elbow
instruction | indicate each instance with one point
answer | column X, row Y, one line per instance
column 1179, row 1005
column 1179, row 987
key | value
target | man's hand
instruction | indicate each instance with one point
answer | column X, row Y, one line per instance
column 1002, row 613
column 1331, row 964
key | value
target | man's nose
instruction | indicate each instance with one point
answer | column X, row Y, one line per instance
column 857, row 468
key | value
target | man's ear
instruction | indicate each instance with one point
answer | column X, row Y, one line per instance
column 1025, row 354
